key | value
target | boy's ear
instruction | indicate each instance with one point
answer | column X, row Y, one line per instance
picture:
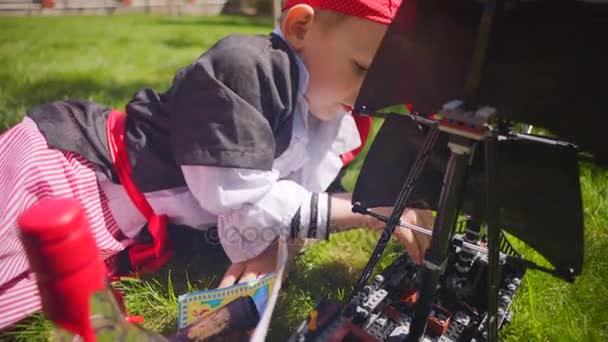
column 297, row 22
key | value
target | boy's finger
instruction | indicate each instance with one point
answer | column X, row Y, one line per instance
column 232, row 274
column 427, row 220
column 260, row 267
column 248, row 276
column 407, row 239
column 414, row 251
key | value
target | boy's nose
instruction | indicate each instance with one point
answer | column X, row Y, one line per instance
column 353, row 93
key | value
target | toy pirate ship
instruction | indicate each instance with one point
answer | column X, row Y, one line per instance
column 472, row 70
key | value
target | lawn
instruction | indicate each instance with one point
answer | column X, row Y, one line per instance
column 107, row 59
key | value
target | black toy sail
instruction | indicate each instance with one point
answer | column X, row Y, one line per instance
column 543, row 67
column 537, row 187
column 545, row 64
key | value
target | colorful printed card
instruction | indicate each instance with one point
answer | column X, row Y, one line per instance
column 193, row 305
column 260, row 332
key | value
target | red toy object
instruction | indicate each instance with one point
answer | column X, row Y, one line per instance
column 348, row 332
column 438, row 321
column 135, row 319
column 410, row 298
column 392, row 313
column 71, row 277
column 53, row 232
column 364, row 126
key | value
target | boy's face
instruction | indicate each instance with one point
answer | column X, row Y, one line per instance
column 336, row 54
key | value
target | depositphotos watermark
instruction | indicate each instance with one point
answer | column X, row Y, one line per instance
column 234, row 236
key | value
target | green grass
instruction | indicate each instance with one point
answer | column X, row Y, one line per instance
column 107, row 59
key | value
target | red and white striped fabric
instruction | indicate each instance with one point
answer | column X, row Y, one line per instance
column 30, row 171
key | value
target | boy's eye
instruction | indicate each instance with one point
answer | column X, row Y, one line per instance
column 360, row 69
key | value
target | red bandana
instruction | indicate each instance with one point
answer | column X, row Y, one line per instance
column 381, row 11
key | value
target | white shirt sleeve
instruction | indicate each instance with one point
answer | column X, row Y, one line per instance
column 254, row 206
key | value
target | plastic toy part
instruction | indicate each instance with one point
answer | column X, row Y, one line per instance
column 383, row 309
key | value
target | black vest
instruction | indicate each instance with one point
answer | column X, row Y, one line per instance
column 232, row 107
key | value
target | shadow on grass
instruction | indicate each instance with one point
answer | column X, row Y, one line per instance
column 199, row 262
column 182, row 42
column 262, row 22
column 303, row 289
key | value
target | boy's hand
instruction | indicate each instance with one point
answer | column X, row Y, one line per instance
column 255, row 268
column 415, row 243
column 261, row 265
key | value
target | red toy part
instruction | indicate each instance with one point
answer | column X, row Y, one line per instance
column 120, row 300
column 364, row 126
column 64, row 256
column 135, row 319
column 409, row 298
column 392, row 313
column 438, row 321
column 475, row 130
column 348, row 332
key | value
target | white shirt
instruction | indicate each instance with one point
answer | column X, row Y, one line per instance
column 251, row 207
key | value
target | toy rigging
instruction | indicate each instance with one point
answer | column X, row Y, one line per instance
column 471, row 69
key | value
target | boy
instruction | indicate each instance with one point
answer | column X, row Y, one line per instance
column 248, row 138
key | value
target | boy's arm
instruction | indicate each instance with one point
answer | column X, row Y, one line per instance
column 342, row 219
column 254, row 207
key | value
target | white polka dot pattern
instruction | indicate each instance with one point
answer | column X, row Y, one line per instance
column 381, row 11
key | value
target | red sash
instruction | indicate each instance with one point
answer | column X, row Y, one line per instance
column 143, row 257
column 364, row 125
